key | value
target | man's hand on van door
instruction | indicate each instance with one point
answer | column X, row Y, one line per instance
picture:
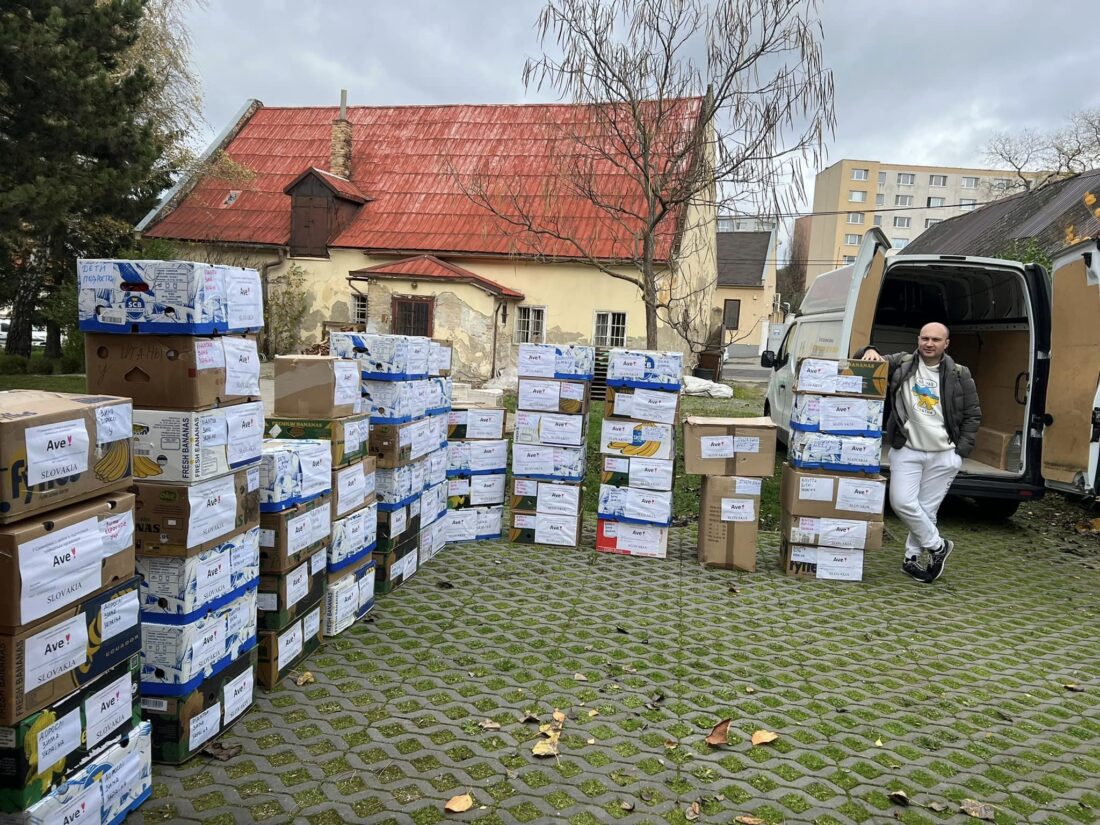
column 871, row 354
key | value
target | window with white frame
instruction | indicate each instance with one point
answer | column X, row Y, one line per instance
column 859, row 174
column 1002, row 184
column 967, row 204
column 899, row 243
column 906, row 178
column 880, row 199
column 902, row 223
column 359, row 308
column 881, row 178
column 931, row 222
column 969, row 183
column 725, row 224
column 852, row 239
column 903, row 200
column 878, row 220
column 855, row 217
column 937, row 180
column 857, row 196
column 610, row 329
column 934, row 203
column 849, row 259
column 530, row 325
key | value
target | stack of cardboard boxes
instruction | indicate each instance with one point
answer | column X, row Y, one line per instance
column 733, row 455
column 477, row 467
column 638, row 451
column 549, row 449
column 832, row 495
column 70, row 632
column 178, row 338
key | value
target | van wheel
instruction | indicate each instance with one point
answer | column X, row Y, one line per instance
column 997, row 509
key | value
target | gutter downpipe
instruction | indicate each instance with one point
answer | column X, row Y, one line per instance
column 281, row 253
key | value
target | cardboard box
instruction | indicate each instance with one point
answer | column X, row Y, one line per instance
column 398, row 486
column 39, row 750
column 282, row 650
column 433, row 503
column 293, row 534
column 116, row 782
column 826, row 495
column 620, row 538
column 838, row 533
column 729, row 514
column 45, row 662
column 347, row 436
column 182, row 446
column 635, row 505
column 552, row 498
column 437, row 466
column 729, row 446
column 282, row 597
column 167, row 297
column 991, row 447
column 316, row 386
column 49, row 562
column 552, row 429
column 846, row 376
column 184, row 520
column 396, row 444
column 549, row 463
column 293, row 472
column 348, row 599
column 392, row 402
column 840, row 453
column 556, row 361
column 182, row 725
column 661, row 406
column 837, row 414
column 829, row 563
column 354, row 538
column 471, row 458
column 476, row 491
column 545, row 528
column 552, row 395
column 175, row 659
column 439, row 395
column 382, row 356
column 396, row 527
column 396, row 567
column 475, row 524
column 645, row 369
column 173, row 372
column 57, row 448
column 641, row 473
column 182, row 590
column 352, row 487
column 476, row 423
column 644, row 439
column 439, row 357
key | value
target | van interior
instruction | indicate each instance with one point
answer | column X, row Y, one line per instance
column 988, row 314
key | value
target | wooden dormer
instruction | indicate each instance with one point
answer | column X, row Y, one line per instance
column 321, row 207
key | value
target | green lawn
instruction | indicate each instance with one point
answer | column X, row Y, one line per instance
column 54, row 383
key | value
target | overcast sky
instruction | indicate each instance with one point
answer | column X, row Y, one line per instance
column 922, row 82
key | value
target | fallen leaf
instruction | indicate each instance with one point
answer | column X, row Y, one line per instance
column 545, row 747
column 671, row 744
column 748, row 820
column 720, row 735
column 626, row 805
column 977, row 810
column 591, row 741
column 592, row 713
column 630, row 669
column 938, row 807
column 529, row 718
column 222, row 752
column 899, row 798
column 559, row 716
column 489, row 724
column 445, row 585
column 763, row 737
column 1074, row 687
column 305, row 679
column 750, row 690
column 579, row 677
column 878, row 743
column 693, row 811
column 460, row 803
column 658, row 697
column 647, row 795
column 622, row 630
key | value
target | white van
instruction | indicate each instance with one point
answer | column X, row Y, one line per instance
column 1031, row 341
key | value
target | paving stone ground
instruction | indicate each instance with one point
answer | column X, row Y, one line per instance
column 949, row 692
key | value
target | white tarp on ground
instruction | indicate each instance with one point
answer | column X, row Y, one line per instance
column 708, row 389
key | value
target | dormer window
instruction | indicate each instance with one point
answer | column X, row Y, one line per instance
column 321, row 206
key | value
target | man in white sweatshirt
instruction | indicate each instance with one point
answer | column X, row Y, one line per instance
column 934, row 416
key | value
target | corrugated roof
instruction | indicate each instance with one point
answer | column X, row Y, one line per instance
column 742, row 257
column 429, row 268
column 416, row 165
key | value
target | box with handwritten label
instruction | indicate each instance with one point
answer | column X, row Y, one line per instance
column 825, row 563
column 555, row 529
column 553, row 395
column 183, row 446
column 283, row 597
column 476, row 423
column 348, row 599
column 821, row 494
column 354, row 538
column 316, row 386
column 643, row 404
column 475, row 523
column 622, row 538
column 465, row 458
column 553, row 498
column 847, row 376
column 382, row 356
column 282, row 650
column 644, row 439
column 635, row 505
column 642, row 473
column 729, row 446
column 556, row 361
column 645, row 369
column 347, row 436
column 837, row 415
column 835, row 532
column 841, row 453
column 729, row 514
column 293, row 471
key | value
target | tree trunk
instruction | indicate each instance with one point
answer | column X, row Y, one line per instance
column 53, row 340
column 23, row 306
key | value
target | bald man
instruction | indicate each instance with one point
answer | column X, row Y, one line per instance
column 934, row 416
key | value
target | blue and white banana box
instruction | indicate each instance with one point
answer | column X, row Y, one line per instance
column 353, row 538
column 475, row 523
column 548, row 463
column 477, row 457
column 645, row 369
column 637, row 506
column 384, row 357
column 556, row 361
column 348, row 600
column 293, row 471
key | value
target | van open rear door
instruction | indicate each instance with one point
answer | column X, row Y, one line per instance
column 1071, row 441
column 859, row 310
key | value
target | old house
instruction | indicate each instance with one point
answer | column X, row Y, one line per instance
column 744, row 297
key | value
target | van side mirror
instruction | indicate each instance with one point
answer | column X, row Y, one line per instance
column 767, row 359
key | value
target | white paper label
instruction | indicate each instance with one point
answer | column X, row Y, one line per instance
column 238, row 695
column 849, row 383
column 746, row 444
column 489, row 455
column 311, row 624
column 208, row 645
column 558, row 499
column 113, row 423
column 243, row 296
column 487, row 489
column 525, row 487
column 297, row 585
column 613, row 464
column 862, row 452
column 844, row 414
column 56, row 451
column 209, row 354
column 213, row 507
column 716, row 446
column 536, row 361
column 747, row 486
column 252, row 479
column 85, row 809
column 860, row 496
column 844, row 533
column 559, row 530
column 523, row 521
column 119, row 614
column 573, row 391
column 299, row 533
column 245, row 423
column 55, row 651
column 59, row 568
column 815, row 489
column 349, row 489
column 108, row 709
column 204, row 726
column 290, row 645
column 650, row 405
column 58, row 740
column 242, row 366
column 563, row 430
column 484, row 423
column 345, row 388
column 817, row 376
column 650, row 473
column 121, row 779
column 398, row 520
column 624, row 404
column 353, row 439
column 213, row 577
column 738, row 509
column 638, row 539
column 267, row 537
column 538, row 461
column 117, row 532
column 267, row 602
column 317, row 563
column 839, row 566
column 542, row 396
column 629, row 366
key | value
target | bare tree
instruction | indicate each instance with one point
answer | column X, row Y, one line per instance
column 1026, row 153
column 683, row 105
column 1038, row 157
column 790, row 279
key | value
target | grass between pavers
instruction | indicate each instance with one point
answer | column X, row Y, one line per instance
column 53, row 383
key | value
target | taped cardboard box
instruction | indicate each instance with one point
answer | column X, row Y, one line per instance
column 642, row 439
column 382, row 356
column 182, row 590
column 174, row 372
column 182, row 725
column 729, row 514
column 439, row 357
column 347, row 436
column 553, row 498
column 433, row 503
column 839, row 453
column 553, row 429
column 180, row 446
column 729, row 446
column 39, row 750
column 396, row 444
column 556, row 361
column 661, row 406
column 348, row 599
column 840, row 533
column 466, row 458
column 645, row 369
column 475, row 524
column 48, row 562
column 353, row 486
column 354, row 538
column 847, row 376
column 46, row 661
column 828, row 563
column 828, row 495
column 623, row 539
column 186, row 519
column 58, row 448
column 476, row 423
column 553, row 395
column 838, row 415
column 282, row 651
column 316, row 386
column 293, row 472
column 641, row 473
column 549, row 463
column 396, row 567
column 475, row 491
column 992, row 448
column 545, row 528
column 396, row 527
column 635, row 505
column 292, row 534
column 282, row 597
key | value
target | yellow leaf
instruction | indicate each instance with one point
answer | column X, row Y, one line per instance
column 489, row 724
column 559, row 716
column 878, row 743
column 763, row 737
column 592, row 713
column 748, row 820
column 305, row 679
column 580, row 677
column 692, row 813
column 750, row 690
column 720, row 735
column 460, row 803
column 671, row 744
column 545, row 747
column 591, row 741
column 1090, row 199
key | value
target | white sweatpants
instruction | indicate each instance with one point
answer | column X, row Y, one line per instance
column 919, row 481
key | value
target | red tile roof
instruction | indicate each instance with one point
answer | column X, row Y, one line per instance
column 430, row 268
column 413, row 162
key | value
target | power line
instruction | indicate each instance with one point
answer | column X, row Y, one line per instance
column 967, row 207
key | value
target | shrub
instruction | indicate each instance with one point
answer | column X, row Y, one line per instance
column 38, row 365
column 12, row 364
column 69, row 364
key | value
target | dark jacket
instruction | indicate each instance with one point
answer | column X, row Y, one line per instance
column 962, row 413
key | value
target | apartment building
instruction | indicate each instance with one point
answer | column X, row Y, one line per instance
column 903, row 200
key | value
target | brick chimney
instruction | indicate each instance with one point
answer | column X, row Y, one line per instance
column 340, row 160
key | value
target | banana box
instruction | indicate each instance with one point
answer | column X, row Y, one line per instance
column 281, row 596
column 384, row 357
column 474, row 523
column 396, row 444
column 433, row 503
column 182, row 725
column 645, row 369
column 567, row 361
column 644, row 439
column 825, row 563
column 837, row 533
column 545, row 528
column 51, row 561
column 295, row 533
column 476, row 423
column 439, row 357
column 282, row 650
column 439, row 394
column 350, row 488
column 847, row 376
column 426, row 543
column 293, row 472
column 552, row 395
column 348, row 599
column 475, row 491
column 316, row 386
column 397, row 527
column 552, row 498
column 105, row 790
column 635, row 506
column 348, row 436
column 729, row 446
column 389, row 402
column 439, row 429
column 397, row 566
column 838, row 453
column 57, row 448
column 437, row 467
column 178, row 446
column 167, row 297
column 471, row 458
column 39, row 750
column 549, row 463
column 643, row 405
column 354, row 538
column 553, row 429
column 837, row 415
column 624, row 539
column 640, row 473
column 182, row 590
column 396, row 486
